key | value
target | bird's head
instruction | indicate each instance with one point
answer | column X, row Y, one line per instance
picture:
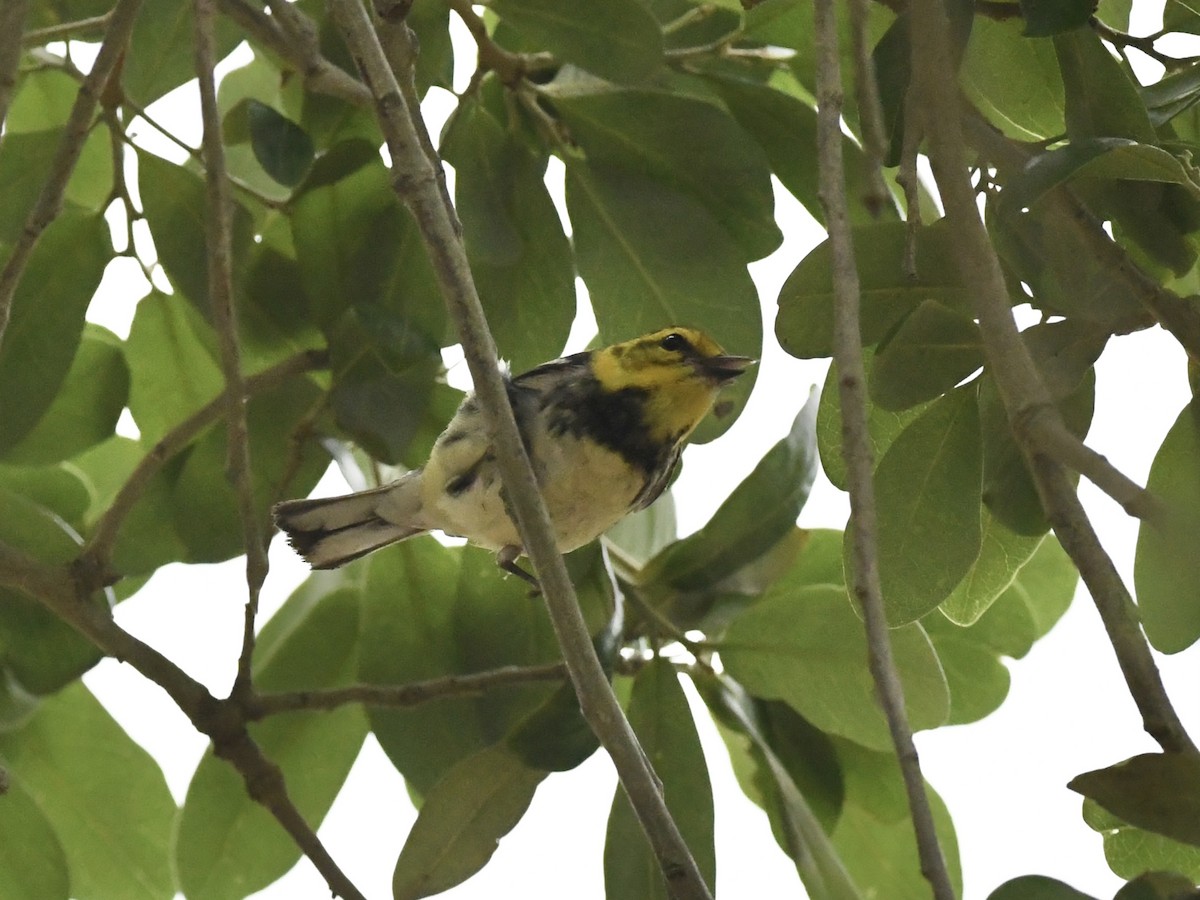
column 679, row 369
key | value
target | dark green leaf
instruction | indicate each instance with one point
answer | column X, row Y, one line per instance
column 653, row 257
column 464, row 815
column 228, row 845
column 800, row 636
column 1158, row 886
column 519, row 255
column 1014, row 81
column 160, row 56
column 174, row 201
column 1158, row 792
column 932, row 350
column 1101, row 98
column 676, row 142
column 1166, row 567
column 1036, row 887
column 32, row 863
column 47, row 318
column 759, row 513
column 927, row 496
column 621, row 41
column 85, row 411
column 104, row 795
column 805, row 322
column 662, row 720
column 41, row 651
column 1046, row 17
column 282, row 147
column 1130, row 851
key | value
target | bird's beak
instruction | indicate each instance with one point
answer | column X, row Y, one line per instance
column 723, row 369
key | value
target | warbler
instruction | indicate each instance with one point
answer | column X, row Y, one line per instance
column 603, row 429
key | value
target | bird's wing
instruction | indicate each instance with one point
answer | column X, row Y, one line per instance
column 548, row 374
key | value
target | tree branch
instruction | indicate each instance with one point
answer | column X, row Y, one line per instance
column 416, row 183
column 1017, row 377
column 222, row 721
column 220, row 298
column 93, row 561
column 414, row 693
column 12, row 24
column 856, row 445
column 302, row 50
column 49, row 201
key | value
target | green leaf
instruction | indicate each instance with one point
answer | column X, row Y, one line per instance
column 1110, row 158
column 87, row 406
column 1130, row 851
column 47, row 318
column 59, row 489
column 464, row 815
column 775, row 785
column 42, row 102
column 160, row 56
column 775, row 114
column 1157, row 886
column 1046, row 17
column 932, row 350
column 1166, row 569
column 281, row 147
column 519, row 255
column 1037, row 887
column 662, row 720
column 175, row 207
column 227, row 845
column 41, row 651
column 642, row 534
column 1014, row 81
column 805, row 322
column 794, row 645
column 621, row 41
column 104, row 795
column 756, row 516
column 978, row 680
column 927, row 501
column 1101, row 98
column 874, row 835
column 628, row 233
column 882, row 426
column 32, row 863
column 676, row 142
column 431, row 611
column 25, row 160
column 1002, row 554
column 1158, row 792
column 173, row 372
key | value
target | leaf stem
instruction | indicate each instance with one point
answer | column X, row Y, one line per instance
column 856, row 446
column 416, row 183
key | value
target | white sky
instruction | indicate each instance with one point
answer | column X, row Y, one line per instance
column 1003, row 778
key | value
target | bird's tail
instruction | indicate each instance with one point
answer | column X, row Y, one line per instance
column 333, row 531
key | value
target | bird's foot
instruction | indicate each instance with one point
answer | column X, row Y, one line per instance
column 506, row 559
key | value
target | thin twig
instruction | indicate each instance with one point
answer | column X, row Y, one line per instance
column 1018, row 380
column 95, row 557
column 416, row 183
column 79, row 122
column 1121, row 39
column 220, row 720
column 401, row 696
column 218, row 212
column 64, row 30
column 12, row 23
column 856, row 446
column 870, row 110
column 509, row 67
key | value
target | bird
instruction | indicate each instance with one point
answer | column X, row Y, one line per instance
column 603, row 429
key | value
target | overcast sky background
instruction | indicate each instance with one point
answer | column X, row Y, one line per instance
column 1004, row 778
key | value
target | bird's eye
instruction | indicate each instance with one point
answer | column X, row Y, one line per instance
column 673, row 342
